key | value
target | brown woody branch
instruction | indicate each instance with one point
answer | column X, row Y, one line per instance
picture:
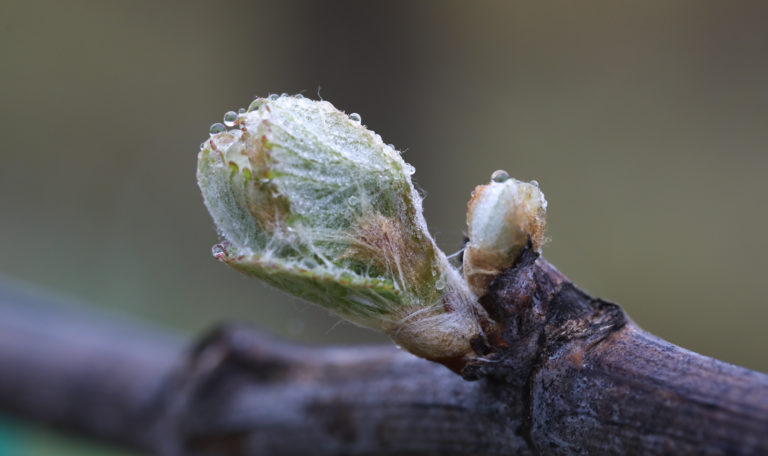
column 562, row 373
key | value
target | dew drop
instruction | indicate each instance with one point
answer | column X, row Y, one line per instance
column 309, row 263
column 535, row 183
column 353, row 200
column 218, row 251
column 500, row 176
column 217, row 128
column 299, row 96
column 409, row 169
column 241, row 111
column 273, row 96
column 440, row 284
column 255, row 104
column 230, row 118
column 283, row 94
column 355, row 117
column 202, row 145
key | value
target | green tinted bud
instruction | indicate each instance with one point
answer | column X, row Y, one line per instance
column 309, row 200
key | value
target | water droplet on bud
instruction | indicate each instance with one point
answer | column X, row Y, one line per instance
column 218, row 251
column 299, row 96
column 217, row 128
column 440, row 284
column 500, row 176
column 353, row 200
column 309, row 263
column 273, row 96
column 230, row 118
column 241, row 111
column 355, row 117
column 535, row 183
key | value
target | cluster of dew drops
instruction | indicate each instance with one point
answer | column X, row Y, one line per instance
column 232, row 118
column 500, row 176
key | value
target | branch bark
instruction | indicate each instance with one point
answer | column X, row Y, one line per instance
column 72, row 369
column 562, row 373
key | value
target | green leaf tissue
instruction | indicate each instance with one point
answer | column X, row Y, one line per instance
column 309, row 200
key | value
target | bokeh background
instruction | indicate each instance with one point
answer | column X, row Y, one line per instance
column 646, row 124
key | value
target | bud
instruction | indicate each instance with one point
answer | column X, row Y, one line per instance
column 310, row 201
column 502, row 217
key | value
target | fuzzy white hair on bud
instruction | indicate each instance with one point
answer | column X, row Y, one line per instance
column 309, row 200
column 502, row 217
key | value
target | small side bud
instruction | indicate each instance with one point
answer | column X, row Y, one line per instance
column 309, row 200
column 502, row 217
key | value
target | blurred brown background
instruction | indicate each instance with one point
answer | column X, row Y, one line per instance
column 646, row 124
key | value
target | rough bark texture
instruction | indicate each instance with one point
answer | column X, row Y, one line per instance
column 242, row 394
column 594, row 383
column 560, row 373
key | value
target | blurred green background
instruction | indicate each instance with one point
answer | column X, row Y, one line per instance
column 646, row 124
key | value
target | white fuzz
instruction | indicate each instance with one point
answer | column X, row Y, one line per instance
column 502, row 217
column 309, row 200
